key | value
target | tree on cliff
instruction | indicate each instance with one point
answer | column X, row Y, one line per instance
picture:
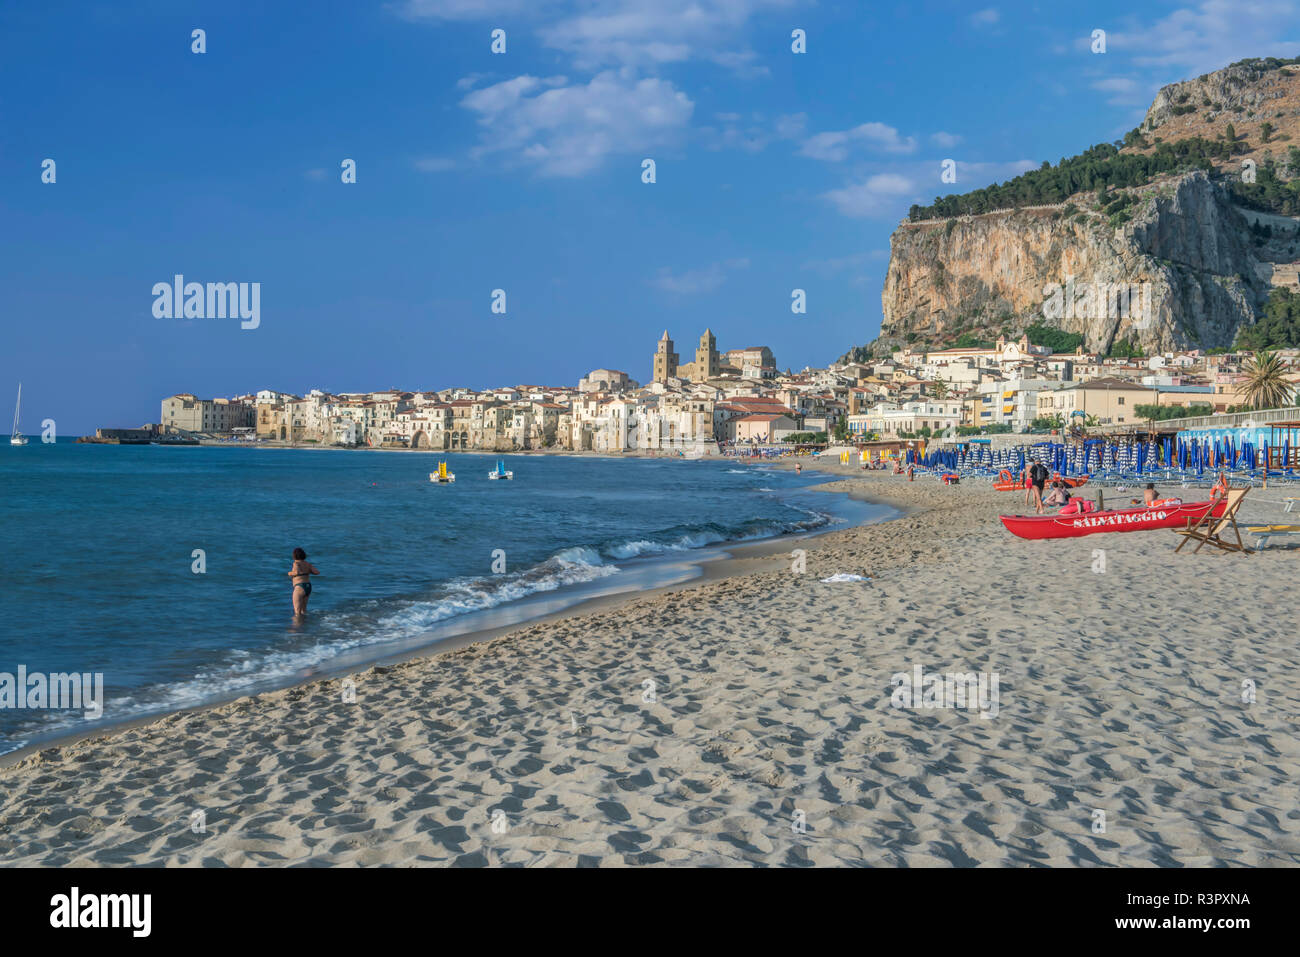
column 1277, row 328
column 1096, row 169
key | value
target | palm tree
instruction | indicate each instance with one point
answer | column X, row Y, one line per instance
column 939, row 388
column 1265, row 386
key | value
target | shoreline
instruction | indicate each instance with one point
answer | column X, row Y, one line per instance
column 684, row 455
column 688, row 726
column 710, row 563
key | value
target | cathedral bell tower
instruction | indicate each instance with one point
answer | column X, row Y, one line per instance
column 665, row 365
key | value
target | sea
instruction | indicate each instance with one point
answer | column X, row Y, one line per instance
column 164, row 568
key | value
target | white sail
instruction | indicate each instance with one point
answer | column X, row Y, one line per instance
column 16, row 437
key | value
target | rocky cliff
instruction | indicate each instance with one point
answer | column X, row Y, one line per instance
column 1186, row 253
column 1199, row 265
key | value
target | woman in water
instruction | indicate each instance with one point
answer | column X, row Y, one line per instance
column 300, row 574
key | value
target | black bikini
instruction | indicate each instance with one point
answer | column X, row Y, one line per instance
column 305, row 586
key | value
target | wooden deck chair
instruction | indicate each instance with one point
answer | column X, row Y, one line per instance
column 1208, row 530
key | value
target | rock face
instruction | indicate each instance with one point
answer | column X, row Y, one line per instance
column 1241, row 90
column 1203, row 266
column 1180, row 273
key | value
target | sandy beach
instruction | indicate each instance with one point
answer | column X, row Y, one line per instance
column 747, row 720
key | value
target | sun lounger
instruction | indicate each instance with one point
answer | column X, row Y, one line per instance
column 1208, row 530
column 1263, row 533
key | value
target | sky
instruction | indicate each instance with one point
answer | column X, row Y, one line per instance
column 521, row 171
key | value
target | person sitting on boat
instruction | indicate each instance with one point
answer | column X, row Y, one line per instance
column 1059, row 495
column 1149, row 495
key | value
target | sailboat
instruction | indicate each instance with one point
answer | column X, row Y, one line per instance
column 16, row 437
column 501, row 472
column 442, row 476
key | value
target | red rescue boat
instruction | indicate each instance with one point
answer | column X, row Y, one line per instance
column 1139, row 519
column 1009, row 483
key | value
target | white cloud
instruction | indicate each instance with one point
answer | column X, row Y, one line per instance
column 604, row 33
column 568, row 129
column 465, row 9
column 1208, row 36
column 664, row 31
column 946, row 140
column 834, row 146
column 986, row 17
column 1124, row 90
column 315, row 175
column 695, row 282
column 875, row 197
column 890, row 193
column 791, row 126
column 734, row 131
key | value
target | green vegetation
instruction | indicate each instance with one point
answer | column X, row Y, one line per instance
column 1097, row 168
column 1278, row 328
column 1262, row 65
column 1125, row 349
column 1270, row 193
column 995, row 429
column 969, row 340
column 1054, row 339
column 1056, row 421
column 842, row 430
column 1103, row 167
column 1159, row 413
column 806, row 438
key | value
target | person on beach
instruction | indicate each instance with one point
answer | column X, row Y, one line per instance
column 1038, row 476
column 1026, row 481
column 1059, row 495
column 300, row 574
column 1149, row 494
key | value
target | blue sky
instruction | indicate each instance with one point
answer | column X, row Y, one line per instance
column 518, row 171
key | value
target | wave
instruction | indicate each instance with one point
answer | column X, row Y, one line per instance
column 682, row 538
column 386, row 620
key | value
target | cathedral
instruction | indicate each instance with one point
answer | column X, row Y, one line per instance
column 707, row 364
